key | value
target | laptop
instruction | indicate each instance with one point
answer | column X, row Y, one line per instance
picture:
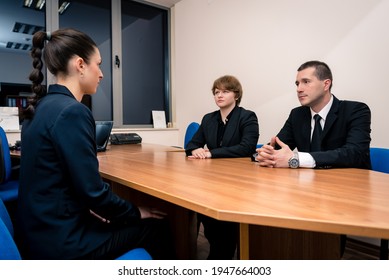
column 103, row 131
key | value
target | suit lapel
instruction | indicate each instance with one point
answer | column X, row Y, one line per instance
column 306, row 129
column 331, row 117
column 212, row 129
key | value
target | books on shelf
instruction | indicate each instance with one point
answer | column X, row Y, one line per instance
column 16, row 101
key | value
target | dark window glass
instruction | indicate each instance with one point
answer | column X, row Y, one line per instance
column 144, row 62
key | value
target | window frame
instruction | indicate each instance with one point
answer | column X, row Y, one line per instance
column 117, row 75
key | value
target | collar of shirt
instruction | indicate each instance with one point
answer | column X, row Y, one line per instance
column 323, row 113
column 219, row 117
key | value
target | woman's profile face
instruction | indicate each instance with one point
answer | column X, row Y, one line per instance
column 92, row 74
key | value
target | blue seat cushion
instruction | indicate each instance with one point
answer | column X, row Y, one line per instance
column 136, row 254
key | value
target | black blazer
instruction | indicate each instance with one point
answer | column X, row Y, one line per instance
column 60, row 182
column 239, row 140
column 345, row 137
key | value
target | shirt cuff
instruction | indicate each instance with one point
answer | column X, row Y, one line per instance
column 306, row 160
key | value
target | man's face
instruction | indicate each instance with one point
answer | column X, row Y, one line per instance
column 311, row 91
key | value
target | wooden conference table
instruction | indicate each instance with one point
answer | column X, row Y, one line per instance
column 298, row 213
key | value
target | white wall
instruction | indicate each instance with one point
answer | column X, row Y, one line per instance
column 264, row 42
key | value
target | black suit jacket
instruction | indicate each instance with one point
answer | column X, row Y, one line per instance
column 345, row 137
column 60, row 182
column 239, row 140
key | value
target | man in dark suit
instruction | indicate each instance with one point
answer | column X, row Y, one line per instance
column 344, row 139
column 340, row 137
column 229, row 132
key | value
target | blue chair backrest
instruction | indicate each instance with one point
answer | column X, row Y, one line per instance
column 5, row 158
column 8, row 248
column 4, row 216
column 190, row 131
column 379, row 159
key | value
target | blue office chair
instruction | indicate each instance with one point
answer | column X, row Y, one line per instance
column 136, row 254
column 8, row 248
column 4, row 216
column 190, row 131
column 380, row 162
column 8, row 188
column 379, row 159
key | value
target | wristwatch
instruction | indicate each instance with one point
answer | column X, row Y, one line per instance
column 294, row 161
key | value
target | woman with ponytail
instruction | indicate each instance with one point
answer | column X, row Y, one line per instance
column 65, row 210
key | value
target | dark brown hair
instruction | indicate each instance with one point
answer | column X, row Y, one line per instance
column 57, row 48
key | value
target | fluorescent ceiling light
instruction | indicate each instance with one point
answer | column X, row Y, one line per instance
column 27, row 3
column 63, row 7
column 39, row 5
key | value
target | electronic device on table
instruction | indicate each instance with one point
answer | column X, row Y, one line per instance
column 103, row 131
column 125, row 138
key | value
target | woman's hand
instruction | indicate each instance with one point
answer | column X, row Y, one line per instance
column 200, row 153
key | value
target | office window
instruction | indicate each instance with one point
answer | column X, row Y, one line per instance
column 145, row 62
column 143, row 59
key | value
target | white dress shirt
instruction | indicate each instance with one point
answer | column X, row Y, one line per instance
column 306, row 160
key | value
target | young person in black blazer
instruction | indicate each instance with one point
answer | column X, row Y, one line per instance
column 229, row 132
column 345, row 138
column 65, row 210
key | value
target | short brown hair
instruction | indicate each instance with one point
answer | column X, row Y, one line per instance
column 230, row 83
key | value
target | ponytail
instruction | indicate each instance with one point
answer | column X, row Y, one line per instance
column 36, row 75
